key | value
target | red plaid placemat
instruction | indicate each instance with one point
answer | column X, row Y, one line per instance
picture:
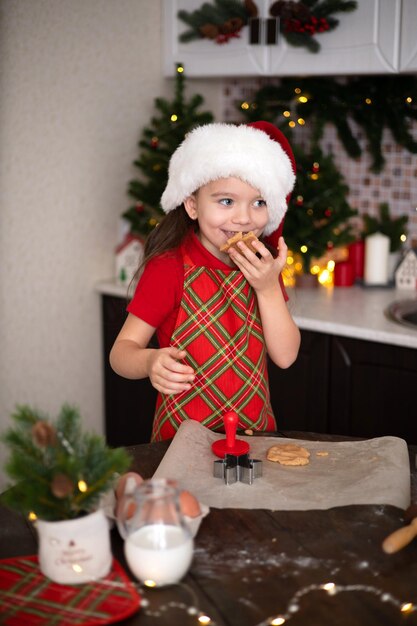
column 28, row 598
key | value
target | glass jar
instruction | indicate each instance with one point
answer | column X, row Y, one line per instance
column 158, row 543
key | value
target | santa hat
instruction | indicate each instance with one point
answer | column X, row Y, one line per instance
column 257, row 153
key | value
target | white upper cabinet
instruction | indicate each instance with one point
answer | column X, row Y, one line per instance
column 204, row 57
column 364, row 42
column 377, row 38
column 408, row 47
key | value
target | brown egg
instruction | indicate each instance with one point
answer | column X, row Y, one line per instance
column 189, row 504
column 121, row 485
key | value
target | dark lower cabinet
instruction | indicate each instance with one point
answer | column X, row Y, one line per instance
column 299, row 394
column 373, row 389
column 348, row 386
column 129, row 404
column 337, row 385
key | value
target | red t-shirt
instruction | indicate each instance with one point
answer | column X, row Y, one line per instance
column 159, row 291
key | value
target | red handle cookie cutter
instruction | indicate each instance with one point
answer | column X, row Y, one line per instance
column 230, row 445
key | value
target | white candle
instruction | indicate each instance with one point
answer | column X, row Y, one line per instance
column 376, row 259
column 160, row 553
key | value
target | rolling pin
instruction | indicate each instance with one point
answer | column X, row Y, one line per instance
column 400, row 538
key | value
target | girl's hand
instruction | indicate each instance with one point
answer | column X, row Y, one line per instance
column 166, row 373
column 261, row 273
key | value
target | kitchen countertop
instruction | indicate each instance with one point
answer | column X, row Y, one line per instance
column 356, row 312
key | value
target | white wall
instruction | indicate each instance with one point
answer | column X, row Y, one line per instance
column 77, row 83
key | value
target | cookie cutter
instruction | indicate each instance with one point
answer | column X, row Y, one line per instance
column 237, row 468
column 234, row 463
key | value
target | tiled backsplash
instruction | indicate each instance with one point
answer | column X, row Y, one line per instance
column 396, row 184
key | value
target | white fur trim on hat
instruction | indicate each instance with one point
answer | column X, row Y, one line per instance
column 218, row 151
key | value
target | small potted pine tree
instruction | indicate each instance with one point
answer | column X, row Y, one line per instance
column 60, row 474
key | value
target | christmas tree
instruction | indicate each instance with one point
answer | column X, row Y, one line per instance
column 158, row 141
column 318, row 215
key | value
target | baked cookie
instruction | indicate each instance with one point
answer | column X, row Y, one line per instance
column 288, row 454
column 247, row 238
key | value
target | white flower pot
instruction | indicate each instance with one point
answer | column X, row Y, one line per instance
column 75, row 551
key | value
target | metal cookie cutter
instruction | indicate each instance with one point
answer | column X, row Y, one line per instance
column 234, row 463
column 233, row 468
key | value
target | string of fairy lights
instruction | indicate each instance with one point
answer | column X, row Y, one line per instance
column 294, row 606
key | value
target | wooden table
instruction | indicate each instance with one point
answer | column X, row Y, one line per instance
column 251, row 566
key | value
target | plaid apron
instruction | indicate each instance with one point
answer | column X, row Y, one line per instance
column 219, row 327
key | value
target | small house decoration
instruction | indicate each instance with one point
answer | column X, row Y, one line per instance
column 128, row 257
column 406, row 273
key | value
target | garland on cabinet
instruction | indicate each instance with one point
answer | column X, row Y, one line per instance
column 159, row 140
column 299, row 22
column 372, row 102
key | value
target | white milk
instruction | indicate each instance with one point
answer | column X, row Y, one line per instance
column 159, row 552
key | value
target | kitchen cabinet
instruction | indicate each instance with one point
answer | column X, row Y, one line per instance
column 408, row 40
column 346, row 386
column 129, row 404
column 338, row 385
column 367, row 41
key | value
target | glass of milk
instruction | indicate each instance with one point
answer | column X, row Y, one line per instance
column 158, row 544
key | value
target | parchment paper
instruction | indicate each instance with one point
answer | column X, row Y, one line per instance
column 373, row 471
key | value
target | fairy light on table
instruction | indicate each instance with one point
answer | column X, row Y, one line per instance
column 332, row 589
column 293, row 606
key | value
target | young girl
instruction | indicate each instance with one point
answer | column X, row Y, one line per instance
column 216, row 314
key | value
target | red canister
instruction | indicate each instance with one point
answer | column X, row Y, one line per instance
column 356, row 256
column 343, row 275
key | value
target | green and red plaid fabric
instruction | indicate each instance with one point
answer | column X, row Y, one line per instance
column 219, row 327
column 28, row 598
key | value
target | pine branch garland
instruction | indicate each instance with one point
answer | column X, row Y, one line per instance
column 299, row 21
column 373, row 103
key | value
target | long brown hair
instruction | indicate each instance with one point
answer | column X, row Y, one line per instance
column 166, row 236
